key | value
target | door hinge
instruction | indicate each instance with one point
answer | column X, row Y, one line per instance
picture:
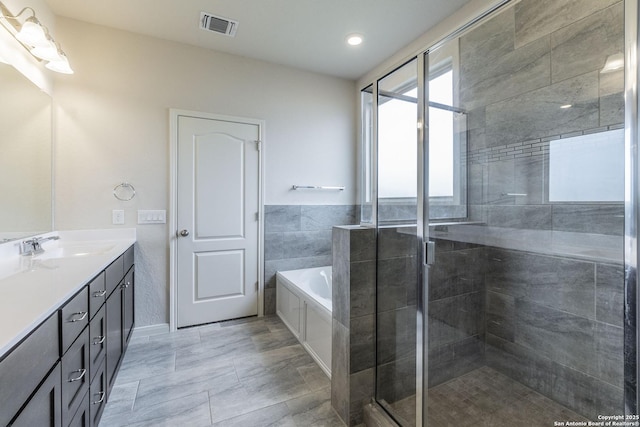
column 256, row 286
column 258, row 145
column 257, row 216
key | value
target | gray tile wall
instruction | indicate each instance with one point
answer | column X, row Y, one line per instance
column 299, row 236
column 456, row 311
column 353, row 353
column 396, row 313
column 555, row 325
column 516, row 70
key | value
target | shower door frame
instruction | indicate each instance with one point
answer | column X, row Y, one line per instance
column 631, row 202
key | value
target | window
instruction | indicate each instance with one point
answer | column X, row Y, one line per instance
column 397, row 147
column 587, row 168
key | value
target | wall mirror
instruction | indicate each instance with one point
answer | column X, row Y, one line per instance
column 25, row 157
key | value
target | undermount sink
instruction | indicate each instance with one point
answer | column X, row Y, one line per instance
column 74, row 249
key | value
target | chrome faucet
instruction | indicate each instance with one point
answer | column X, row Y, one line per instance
column 34, row 246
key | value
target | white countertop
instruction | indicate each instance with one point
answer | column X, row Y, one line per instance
column 34, row 287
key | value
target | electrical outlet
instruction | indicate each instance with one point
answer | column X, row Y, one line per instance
column 117, row 216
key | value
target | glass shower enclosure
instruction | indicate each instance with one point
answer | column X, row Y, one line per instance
column 502, row 184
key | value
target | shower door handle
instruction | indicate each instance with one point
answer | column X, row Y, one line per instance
column 429, row 252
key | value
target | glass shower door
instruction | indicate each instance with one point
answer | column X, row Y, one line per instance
column 526, row 159
column 500, row 287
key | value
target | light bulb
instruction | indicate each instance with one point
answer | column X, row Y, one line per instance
column 32, row 33
column 48, row 53
column 60, row 66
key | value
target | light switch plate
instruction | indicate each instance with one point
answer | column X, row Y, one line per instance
column 117, row 217
column 152, row 217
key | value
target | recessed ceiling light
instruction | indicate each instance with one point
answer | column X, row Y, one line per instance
column 354, row 39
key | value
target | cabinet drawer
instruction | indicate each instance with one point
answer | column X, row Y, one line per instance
column 97, row 294
column 114, row 274
column 98, row 395
column 26, row 365
column 43, row 408
column 75, row 376
column 74, row 317
column 128, row 259
column 98, row 341
column 81, row 418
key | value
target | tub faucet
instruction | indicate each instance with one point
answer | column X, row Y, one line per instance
column 34, row 246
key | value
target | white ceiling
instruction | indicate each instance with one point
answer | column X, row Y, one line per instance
column 306, row 34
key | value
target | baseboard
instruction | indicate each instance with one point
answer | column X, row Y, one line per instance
column 145, row 331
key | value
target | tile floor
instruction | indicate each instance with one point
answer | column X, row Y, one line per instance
column 253, row 372
column 249, row 372
column 486, row 398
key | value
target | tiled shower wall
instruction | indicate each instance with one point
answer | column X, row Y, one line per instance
column 552, row 323
column 299, row 236
column 353, row 354
column 456, row 319
column 555, row 325
column 516, row 70
column 396, row 313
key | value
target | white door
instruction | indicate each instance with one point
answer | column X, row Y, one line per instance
column 217, row 217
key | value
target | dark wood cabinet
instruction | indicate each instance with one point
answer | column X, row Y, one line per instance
column 74, row 317
column 82, row 417
column 22, row 370
column 98, row 338
column 75, row 376
column 98, row 395
column 97, row 294
column 45, row 407
column 114, row 335
column 60, row 375
column 128, row 307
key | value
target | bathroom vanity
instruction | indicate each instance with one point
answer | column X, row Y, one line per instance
column 66, row 316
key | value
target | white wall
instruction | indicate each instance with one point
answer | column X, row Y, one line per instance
column 112, row 125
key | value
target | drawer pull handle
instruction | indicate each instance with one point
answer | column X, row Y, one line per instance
column 99, row 294
column 102, row 395
column 82, row 314
column 100, row 340
column 79, row 377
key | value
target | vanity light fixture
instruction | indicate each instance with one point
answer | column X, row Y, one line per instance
column 35, row 37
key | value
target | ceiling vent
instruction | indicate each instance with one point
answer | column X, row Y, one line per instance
column 218, row 24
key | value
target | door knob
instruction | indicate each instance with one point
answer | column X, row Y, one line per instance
column 184, row 233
